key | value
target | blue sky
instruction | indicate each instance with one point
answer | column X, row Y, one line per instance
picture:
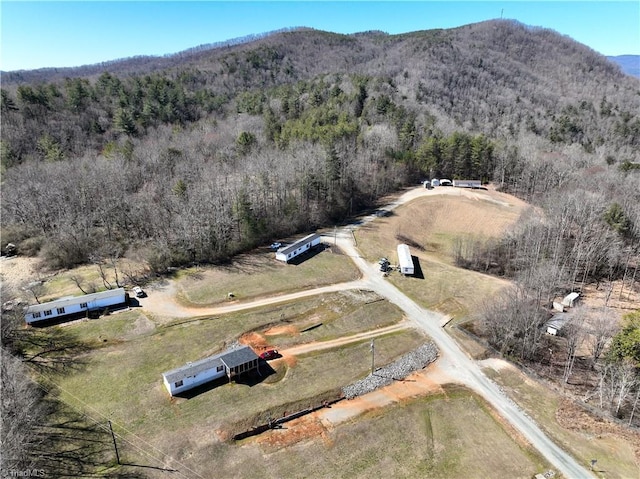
column 58, row 34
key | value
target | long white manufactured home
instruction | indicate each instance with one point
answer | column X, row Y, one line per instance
column 405, row 260
column 467, row 184
column 74, row 305
column 231, row 363
column 303, row 245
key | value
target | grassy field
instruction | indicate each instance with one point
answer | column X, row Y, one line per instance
column 121, row 375
column 431, row 225
column 259, row 274
column 584, row 437
column 434, row 222
column 450, row 435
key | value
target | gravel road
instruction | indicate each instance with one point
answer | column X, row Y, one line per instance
column 453, row 360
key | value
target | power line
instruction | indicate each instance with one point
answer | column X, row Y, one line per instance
column 101, row 425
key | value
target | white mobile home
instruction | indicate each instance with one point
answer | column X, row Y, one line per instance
column 74, row 305
column 405, row 260
column 303, row 245
column 232, row 362
column 467, row 183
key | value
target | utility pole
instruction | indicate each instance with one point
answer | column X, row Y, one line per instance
column 115, row 446
column 373, row 356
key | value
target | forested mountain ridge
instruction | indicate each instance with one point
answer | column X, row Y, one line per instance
column 230, row 146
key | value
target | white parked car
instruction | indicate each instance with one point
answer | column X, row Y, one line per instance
column 139, row 292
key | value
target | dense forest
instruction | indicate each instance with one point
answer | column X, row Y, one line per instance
column 194, row 157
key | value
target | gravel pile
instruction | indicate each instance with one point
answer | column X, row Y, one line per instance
column 400, row 369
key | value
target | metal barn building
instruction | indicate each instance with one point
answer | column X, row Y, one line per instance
column 405, row 260
column 232, row 362
column 303, row 245
column 74, row 305
column 556, row 323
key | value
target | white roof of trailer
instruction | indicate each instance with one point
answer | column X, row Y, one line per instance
column 68, row 301
column 404, row 255
column 298, row 244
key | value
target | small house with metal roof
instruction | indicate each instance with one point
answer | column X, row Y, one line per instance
column 74, row 306
column 230, row 363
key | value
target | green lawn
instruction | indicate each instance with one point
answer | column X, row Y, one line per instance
column 121, row 375
column 450, row 435
column 259, row 274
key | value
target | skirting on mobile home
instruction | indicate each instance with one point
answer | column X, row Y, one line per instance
column 303, row 245
column 232, row 362
column 404, row 259
column 74, row 305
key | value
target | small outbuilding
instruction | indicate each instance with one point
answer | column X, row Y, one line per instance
column 74, row 306
column 571, row 300
column 405, row 260
column 301, row 246
column 556, row 323
column 230, row 363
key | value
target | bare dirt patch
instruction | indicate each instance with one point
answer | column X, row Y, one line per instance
column 16, row 271
column 255, row 340
column 318, row 423
column 278, row 330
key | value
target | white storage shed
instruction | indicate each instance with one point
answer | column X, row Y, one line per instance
column 405, row 260
column 570, row 300
column 303, row 245
column 232, row 362
column 74, row 305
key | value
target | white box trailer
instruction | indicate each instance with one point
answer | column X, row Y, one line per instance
column 303, row 245
column 467, row 183
column 405, row 260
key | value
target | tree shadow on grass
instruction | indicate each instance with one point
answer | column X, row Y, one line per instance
column 72, row 445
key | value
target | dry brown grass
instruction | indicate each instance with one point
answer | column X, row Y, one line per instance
column 431, row 223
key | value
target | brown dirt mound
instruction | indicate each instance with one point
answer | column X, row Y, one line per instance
column 276, row 330
column 298, row 430
column 255, row 340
